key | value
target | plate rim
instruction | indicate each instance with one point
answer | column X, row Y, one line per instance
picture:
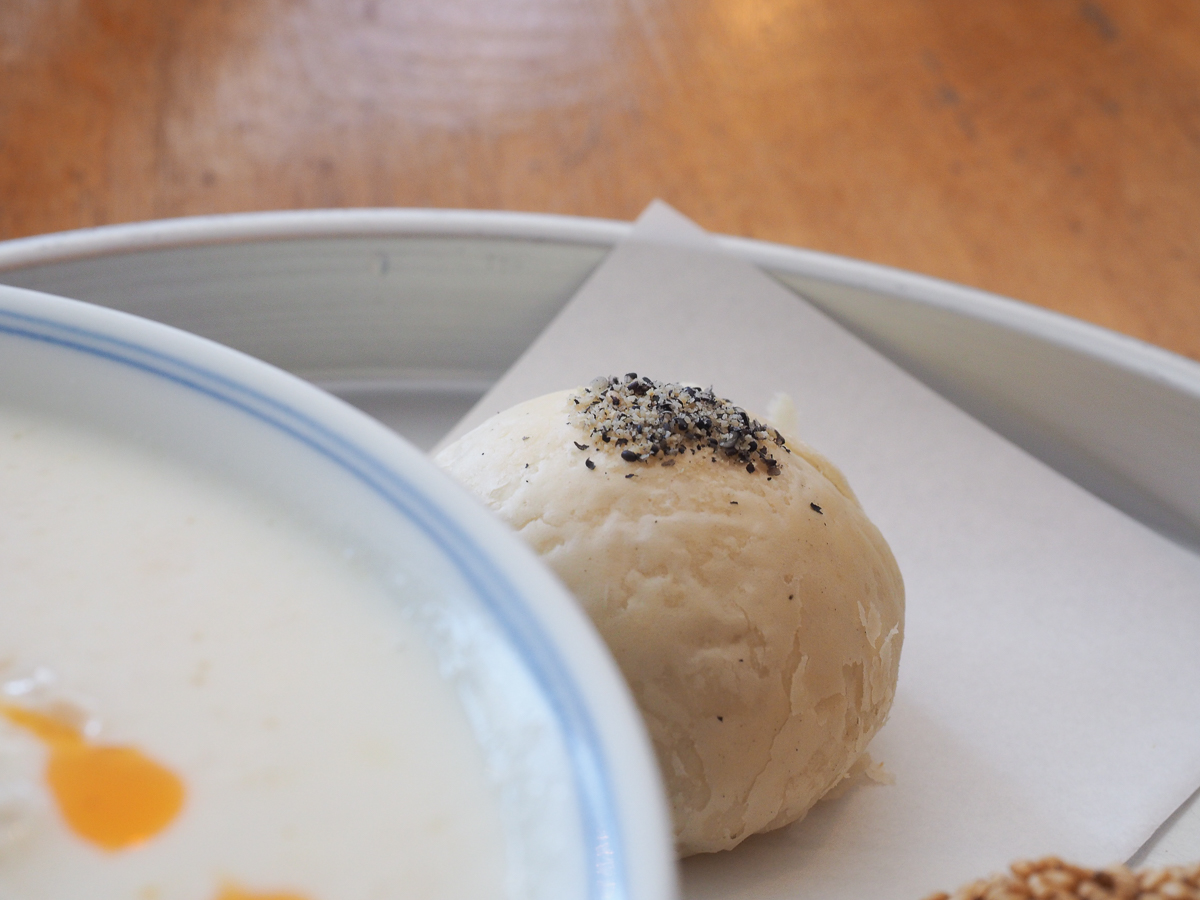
column 1075, row 335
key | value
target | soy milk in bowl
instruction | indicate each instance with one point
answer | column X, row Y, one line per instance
column 252, row 647
column 269, row 699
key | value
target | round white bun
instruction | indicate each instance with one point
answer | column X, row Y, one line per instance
column 757, row 618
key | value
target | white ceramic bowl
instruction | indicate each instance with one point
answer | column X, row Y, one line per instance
column 546, row 702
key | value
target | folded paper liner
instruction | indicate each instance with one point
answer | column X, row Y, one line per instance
column 1049, row 698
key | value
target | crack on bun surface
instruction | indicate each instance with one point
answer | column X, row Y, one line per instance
column 756, row 613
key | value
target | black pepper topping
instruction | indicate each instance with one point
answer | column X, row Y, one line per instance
column 589, row 463
column 579, row 445
column 816, row 508
column 650, row 419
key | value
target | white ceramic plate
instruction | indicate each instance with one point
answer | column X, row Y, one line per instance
column 410, row 314
column 581, row 812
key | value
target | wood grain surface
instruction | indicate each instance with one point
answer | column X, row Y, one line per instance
column 1048, row 150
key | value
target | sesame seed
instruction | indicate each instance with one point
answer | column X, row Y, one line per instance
column 816, row 508
column 1052, row 877
column 589, row 463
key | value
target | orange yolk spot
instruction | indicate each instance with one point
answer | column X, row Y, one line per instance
column 234, row 893
column 112, row 796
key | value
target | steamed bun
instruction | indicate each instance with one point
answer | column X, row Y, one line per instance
column 755, row 611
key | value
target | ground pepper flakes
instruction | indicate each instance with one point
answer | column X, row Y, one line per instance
column 661, row 420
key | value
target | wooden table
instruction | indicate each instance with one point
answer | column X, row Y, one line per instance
column 1044, row 149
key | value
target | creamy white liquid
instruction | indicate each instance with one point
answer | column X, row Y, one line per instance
column 321, row 752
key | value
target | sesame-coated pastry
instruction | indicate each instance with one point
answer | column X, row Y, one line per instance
column 1053, row 879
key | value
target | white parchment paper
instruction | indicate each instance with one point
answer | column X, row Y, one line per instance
column 1049, row 698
